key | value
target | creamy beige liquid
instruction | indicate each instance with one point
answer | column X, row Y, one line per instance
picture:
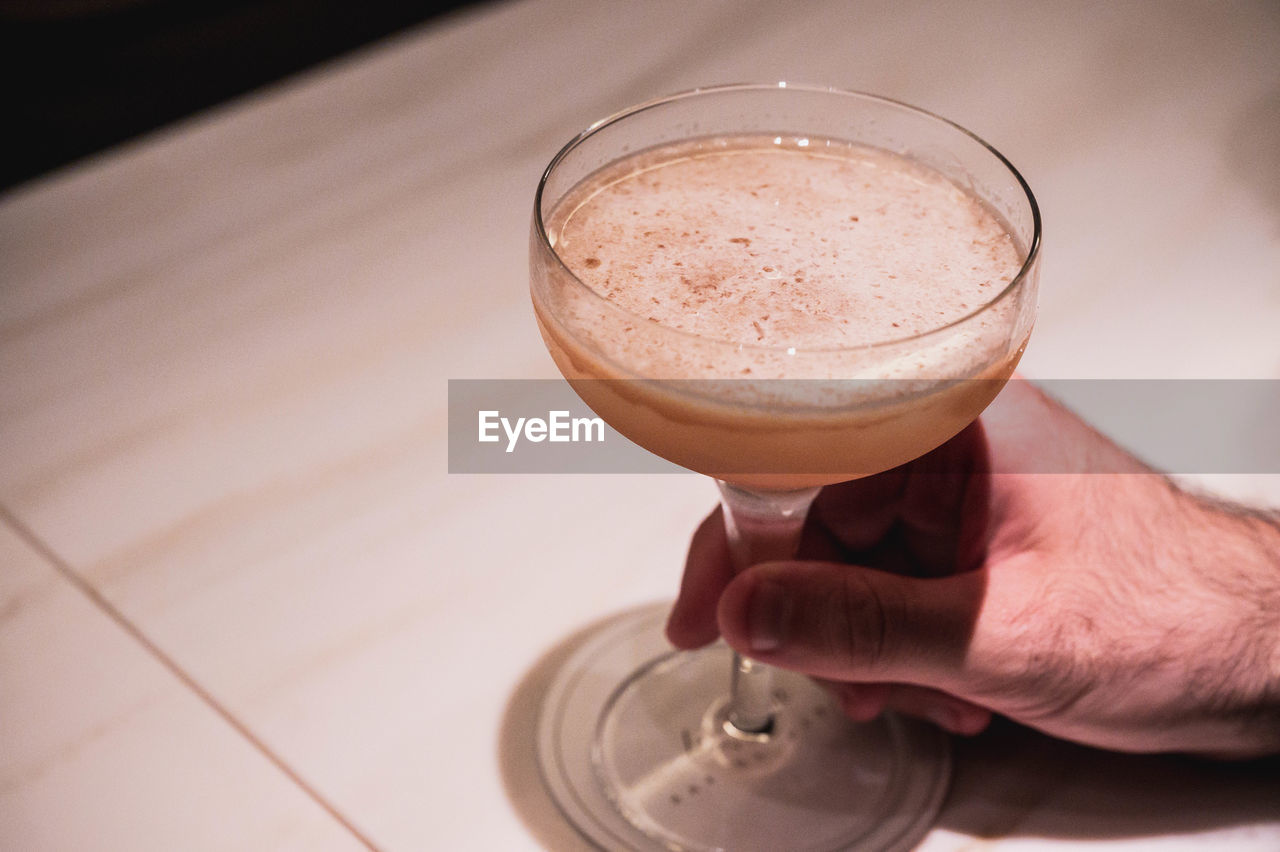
column 728, row 290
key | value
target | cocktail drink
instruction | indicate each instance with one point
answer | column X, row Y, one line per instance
column 782, row 288
column 791, row 266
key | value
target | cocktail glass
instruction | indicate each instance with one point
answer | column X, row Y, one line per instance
column 644, row 747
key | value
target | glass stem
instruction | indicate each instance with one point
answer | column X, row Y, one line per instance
column 762, row 526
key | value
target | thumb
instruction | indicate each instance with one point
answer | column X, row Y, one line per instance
column 843, row 622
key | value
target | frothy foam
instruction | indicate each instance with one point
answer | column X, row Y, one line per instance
column 781, row 244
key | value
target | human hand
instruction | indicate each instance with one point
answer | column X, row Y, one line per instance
column 1096, row 602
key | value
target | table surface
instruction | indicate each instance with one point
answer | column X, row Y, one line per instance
column 243, row 605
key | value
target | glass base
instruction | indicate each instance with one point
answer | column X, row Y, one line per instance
column 635, row 747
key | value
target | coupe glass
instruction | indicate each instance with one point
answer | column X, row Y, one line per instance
column 644, row 747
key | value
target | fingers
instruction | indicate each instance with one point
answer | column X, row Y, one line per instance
column 693, row 623
column 862, row 702
column 944, row 505
column 860, row 513
column 846, row 623
column 707, row 571
column 926, row 518
column 709, row 568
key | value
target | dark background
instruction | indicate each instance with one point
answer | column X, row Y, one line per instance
column 82, row 75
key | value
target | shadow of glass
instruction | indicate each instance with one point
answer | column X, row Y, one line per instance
column 517, row 748
column 1012, row 781
column 1008, row 782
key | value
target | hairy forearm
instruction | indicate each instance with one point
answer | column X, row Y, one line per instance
column 1154, row 624
column 1236, row 553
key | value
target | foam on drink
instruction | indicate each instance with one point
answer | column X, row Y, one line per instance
column 776, row 244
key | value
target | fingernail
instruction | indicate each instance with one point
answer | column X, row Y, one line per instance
column 768, row 613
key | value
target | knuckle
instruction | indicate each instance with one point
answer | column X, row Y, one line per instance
column 859, row 630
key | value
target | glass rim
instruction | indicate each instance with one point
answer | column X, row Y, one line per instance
column 1028, row 264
